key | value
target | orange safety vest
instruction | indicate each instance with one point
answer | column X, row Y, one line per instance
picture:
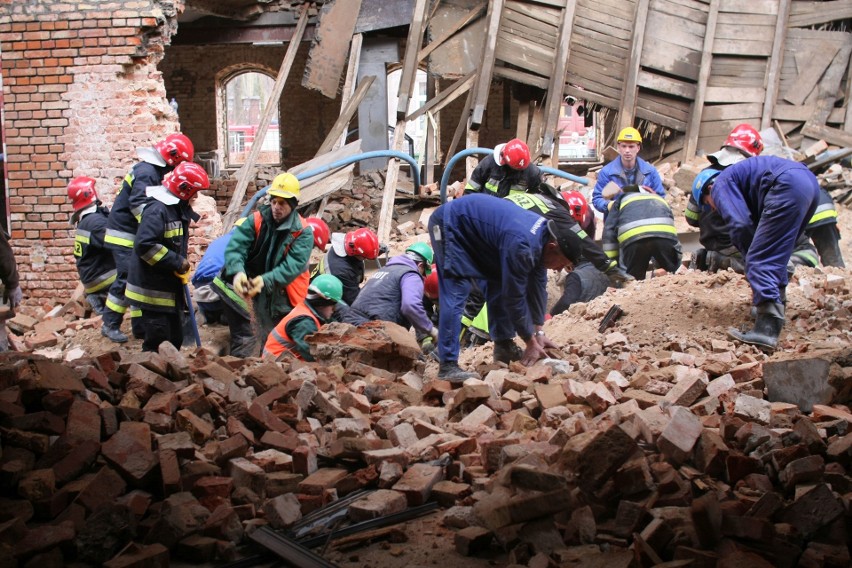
column 279, row 341
column 297, row 290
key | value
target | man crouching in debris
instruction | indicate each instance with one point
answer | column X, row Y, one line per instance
column 159, row 269
column 508, row 250
column 766, row 202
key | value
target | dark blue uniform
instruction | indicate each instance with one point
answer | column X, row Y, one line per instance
column 767, row 202
column 494, row 242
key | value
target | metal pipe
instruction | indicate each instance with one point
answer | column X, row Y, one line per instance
column 415, row 172
column 445, row 178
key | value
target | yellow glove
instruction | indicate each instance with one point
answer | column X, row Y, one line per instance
column 255, row 286
column 241, row 284
column 183, row 277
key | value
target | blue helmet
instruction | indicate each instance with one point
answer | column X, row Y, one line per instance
column 701, row 182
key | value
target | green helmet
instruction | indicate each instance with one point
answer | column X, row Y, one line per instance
column 425, row 252
column 327, row 287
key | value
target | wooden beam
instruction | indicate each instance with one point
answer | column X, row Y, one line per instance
column 694, row 127
column 557, row 78
column 327, row 56
column 409, row 62
column 828, row 87
column 332, row 139
column 776, row 60
column 483, row 84
column 472, row 15
column 349, row 83
column 833, row 136
column 460, row 128
column 386, row 212
column 847, row 123
column 247, row 171
column 630, row 88
column 447, row 96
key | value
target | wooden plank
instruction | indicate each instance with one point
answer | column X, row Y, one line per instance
column 460, row 127
column 747, row 19
column 743, row 47
column 483, row 84
column 671, row 58
column 666, row 85
column 327, row 57
column 599, row 42
column 539, row 24
column 616, row 29
column 666, row 26
column 323, row 160
column 328, row 184
column 690, row 13
column 522, row 131
column 629, row 92
column 557, row 80
column 833, row 136
column 819, row 58
column 750, row 6
column 589, row 71
column 661, row 119
column 594, row 49
column 828, row 88
column 436, row 42
column 718, row 127
column 847, row 122
column 536, row 126
column 731, row 112
column 539, row 13
column 381, row 15
column 520, row 77
column 529, row 47
column 409, row 61
column 247, row 171
column 729, row 95
column 622, row 8
column 447, row 96
column 389, row 192
column 349, row 83
column 804, row 14
column 346, row 114
column 693, row 127
column 740, row 31
column 512, row 52
column 593, row 96
column 511, row 25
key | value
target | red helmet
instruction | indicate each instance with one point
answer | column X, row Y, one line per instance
column 187, row 179
column 321, row 232
column 577, row 205
column 176, row 148
column 430, row 284
column 745, row 138
column 81, row 192
column 362, row 242
column 515, row 154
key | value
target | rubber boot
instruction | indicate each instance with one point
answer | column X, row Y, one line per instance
column 506, row 351
column 767, row 327
column 113, row 334
column 782, row 293
column 451, row 372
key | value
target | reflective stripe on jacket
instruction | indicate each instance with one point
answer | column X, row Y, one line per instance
column 502, row 180
column 130, row 201
column 637, row 216
column 826, row 211
column 279, row 341
column 95, row 264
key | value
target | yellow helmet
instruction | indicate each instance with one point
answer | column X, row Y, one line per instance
column 285, row 185
column 629, row 134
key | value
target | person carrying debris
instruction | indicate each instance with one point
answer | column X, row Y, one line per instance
column 627, row 169
column 288, row 337
column 507, row 170
column 95, row 264
column 766, row 202
column 718, row 252
column 395, row 292
column 123, row 223
column 12, row 293
column 823, row 231
column 507, row 249
column 159, row 269
column 345, row 259
column 266, row 261
column 640, row 227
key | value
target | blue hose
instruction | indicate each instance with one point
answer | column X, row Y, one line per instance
column 415, row 172
column 471, row 151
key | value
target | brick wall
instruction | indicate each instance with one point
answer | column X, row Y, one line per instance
column 81, row 92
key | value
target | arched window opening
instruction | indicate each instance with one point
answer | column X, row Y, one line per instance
column 246, row 95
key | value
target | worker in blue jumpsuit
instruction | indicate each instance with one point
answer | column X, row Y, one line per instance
column 766, row 202
column 508, row 250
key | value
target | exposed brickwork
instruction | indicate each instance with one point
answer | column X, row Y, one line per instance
column 81, row 92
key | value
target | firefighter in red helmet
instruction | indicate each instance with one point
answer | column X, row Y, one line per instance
column 509, row 169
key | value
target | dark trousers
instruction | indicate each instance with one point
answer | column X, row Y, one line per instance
column 162, row 326
column 826, row 239
column 116, row 303
column 584, row 284
column 243, row 334
column 636, row 256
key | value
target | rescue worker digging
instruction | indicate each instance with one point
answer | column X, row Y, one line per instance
column 95, row 264
column 159, row 269
column 345, row 259
column 124, row 219
column 266, row 262
column 507, row 170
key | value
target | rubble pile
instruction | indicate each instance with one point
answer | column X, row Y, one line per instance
column 622, row 450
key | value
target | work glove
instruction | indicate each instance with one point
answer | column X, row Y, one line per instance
column 255, row 286
column 427, row 344
column 241, row 284
column 617, row 276
column 183, row 277
column 13, row 296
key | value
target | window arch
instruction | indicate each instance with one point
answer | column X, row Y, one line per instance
column 245, row 93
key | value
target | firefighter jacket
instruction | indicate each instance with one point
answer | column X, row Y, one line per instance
column 159, row 250
column 645, row 174
column 712, row 229
column 826, row 212
column 95, row 263
column 491, row 179
column 349, row 269
column 289, row 335
column 8, row 266
column 635, row 216
column 557, row 211
column 278, row 252
column 392, row 295
column 127, row 209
